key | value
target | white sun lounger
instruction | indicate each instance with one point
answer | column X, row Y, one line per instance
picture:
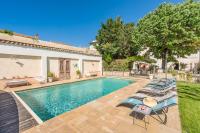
column 158, row 98
column 15, row 83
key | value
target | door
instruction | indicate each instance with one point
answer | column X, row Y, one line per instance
column 67, row 69
column 64, row 72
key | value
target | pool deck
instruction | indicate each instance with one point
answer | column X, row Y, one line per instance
column 102, row 116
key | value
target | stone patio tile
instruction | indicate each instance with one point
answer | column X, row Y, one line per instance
column 126, row 127
column 65, row 129
column 76, row 120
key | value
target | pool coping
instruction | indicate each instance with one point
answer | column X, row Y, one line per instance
column 24, row 88
column 48, row 85
column 37, row 118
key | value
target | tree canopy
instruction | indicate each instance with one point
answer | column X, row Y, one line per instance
column 171, row 30
column 168, row 32
column 115, row 39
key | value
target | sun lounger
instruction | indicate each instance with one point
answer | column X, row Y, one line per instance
column 164, row 80
column 15, row 83
column 161, row 85
column 156, row 90
column 158, row 97
column 160, row 91
column 160, row 107
column 132, row 101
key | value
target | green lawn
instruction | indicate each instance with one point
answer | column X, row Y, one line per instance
column 189, row 106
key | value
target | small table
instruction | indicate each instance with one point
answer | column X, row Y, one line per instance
column 146, row 108
column 142, row 110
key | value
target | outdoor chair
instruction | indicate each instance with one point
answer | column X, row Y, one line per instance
column 160, row 108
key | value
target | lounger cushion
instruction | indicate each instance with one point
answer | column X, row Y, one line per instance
column 132, row 101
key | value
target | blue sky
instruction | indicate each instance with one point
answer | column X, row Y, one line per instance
column 74, row 22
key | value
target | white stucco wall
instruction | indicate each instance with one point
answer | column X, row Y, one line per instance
column 91, row 66
column 45, row 54
column 190, row 60
column 14, row 66
column 73, row 68
column 53, row 66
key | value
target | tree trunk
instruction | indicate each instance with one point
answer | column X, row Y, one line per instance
column 164, row 59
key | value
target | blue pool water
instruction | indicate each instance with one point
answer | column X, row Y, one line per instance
column 51, row 101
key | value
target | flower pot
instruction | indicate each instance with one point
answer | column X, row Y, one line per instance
column 78, row 76
column 50, row 79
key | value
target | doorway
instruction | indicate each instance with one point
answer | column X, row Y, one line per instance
column 64, row 69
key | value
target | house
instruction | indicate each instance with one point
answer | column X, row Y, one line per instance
column 189, row 61
column 24, row 56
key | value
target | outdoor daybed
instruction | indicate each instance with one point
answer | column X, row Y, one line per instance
column 15, row 83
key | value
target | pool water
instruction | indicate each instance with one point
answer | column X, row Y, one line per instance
column 48, row 102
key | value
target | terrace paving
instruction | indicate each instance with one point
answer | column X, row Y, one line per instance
column 102, row 116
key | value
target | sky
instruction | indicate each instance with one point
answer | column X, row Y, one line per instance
column 74, row 22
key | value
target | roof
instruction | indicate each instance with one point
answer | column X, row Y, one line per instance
column 22, row 40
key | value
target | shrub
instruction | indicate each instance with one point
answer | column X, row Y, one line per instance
column 78, row 72
column 50, row 74
column 181, row 76
column 189, row 77
column 117, row 65
column 9, row 32
column 174, row 73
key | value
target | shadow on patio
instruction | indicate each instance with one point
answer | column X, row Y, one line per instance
column 9, row 118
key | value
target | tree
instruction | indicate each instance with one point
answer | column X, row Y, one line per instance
column 108, row 50
column 9, row 32
column 171, row 31
column 115, row 38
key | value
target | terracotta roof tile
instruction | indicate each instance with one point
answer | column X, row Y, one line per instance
column 28, row 41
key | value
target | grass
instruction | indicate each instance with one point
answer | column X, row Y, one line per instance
column 189, row 106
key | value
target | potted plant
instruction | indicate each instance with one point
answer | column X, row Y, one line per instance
column 151, row 69
column 50, row 76
column 78, row 73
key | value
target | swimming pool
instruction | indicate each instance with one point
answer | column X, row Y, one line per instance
column 48, row 102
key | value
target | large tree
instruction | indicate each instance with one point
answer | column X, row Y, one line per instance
column 115, row 39
column 171, row 31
